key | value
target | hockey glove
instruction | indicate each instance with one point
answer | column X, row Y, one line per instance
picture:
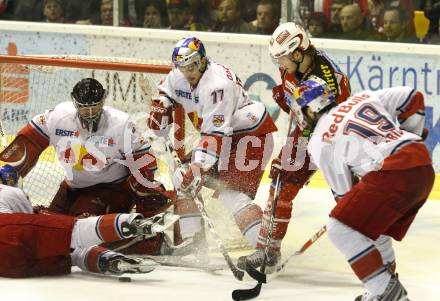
column 161, row 114
column 278, row 96
column 190, row 181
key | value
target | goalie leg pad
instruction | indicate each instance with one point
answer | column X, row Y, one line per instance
column 99, row 200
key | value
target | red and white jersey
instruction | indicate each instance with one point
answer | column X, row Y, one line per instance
column 14, row 200
column 91, row 158
column 219, row 107
column 370, row 131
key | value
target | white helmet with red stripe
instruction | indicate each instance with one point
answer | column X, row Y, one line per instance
column 287, row 38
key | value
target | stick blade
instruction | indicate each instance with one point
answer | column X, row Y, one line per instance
column 257, row 275
column 247, row 294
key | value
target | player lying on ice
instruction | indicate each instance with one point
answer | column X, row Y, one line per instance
column 50, row 244
column 298, row 60
column 371, row 153
column 236, row 136
column 108, row 164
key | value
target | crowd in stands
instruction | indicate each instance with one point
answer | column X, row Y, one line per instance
column 376, row 20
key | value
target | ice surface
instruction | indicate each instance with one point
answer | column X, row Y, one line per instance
column 319, row 274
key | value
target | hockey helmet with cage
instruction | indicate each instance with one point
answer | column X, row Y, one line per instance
column 188, row 51
column 8, row 175
column 314, row 94
column 287, row 38
column 88, row 97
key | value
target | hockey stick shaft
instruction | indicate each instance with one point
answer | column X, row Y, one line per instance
column 246, row 294
column 261, row 277
column 200, row 206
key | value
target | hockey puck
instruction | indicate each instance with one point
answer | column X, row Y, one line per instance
column 124, row 279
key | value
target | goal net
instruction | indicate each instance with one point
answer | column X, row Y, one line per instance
column 31, row 85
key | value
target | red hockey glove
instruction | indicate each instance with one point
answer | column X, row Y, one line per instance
column 278, row 96
column 190, row 181
column 161, row 114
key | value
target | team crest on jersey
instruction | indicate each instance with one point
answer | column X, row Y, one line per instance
column 42, row 120
column 218, row 120
column 252, row 117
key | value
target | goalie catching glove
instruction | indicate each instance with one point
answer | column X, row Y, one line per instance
column 161, row 115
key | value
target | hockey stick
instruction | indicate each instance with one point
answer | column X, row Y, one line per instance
column 246, row 294
column 261, row 277
column 238, row 274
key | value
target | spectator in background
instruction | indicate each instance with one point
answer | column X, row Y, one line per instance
column 81, row 10
column 248, row 9
column 395, row 26
column 201, row 13
column 267, row 17
column 106, row 15
column 317, row 25
column 53, row 11
column 352, row 23
column 7, row 9
column 432, row 12
column 29, row 10
column 155, row 14
column 178, row 14
column 334, row 22
column 229, row 18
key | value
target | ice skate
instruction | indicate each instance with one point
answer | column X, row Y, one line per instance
column 255, row 260
column 394, row 292
column 119, row 264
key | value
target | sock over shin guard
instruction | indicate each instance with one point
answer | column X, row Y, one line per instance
column 98, row 229
column 362, row 255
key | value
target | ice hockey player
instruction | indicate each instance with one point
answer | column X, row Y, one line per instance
column 375, row 137
column 108, row 164
column 50, row 244
column 291, row 49
column 236, row 135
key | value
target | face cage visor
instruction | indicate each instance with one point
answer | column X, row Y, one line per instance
column 186, row 63
column 89, row 112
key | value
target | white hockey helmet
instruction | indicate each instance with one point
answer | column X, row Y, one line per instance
column 287, row 38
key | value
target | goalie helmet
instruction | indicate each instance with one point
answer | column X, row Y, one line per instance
column 313, row 93
column 287, row 38
column 8, row 175
column 88, row 97
column 188, row 51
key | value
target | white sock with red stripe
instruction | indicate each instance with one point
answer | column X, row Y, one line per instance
column 247, row 215
column 98, row 229
column 362, row 255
